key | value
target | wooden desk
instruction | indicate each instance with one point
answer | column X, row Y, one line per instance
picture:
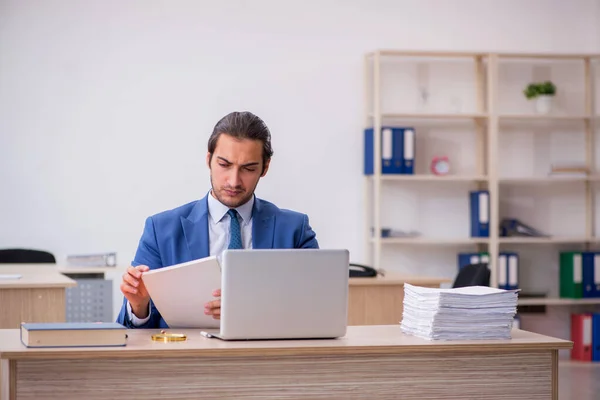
column 38, row 296
column 370, row 362
column 379, row 300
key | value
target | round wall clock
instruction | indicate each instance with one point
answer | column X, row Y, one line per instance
column 440, row 165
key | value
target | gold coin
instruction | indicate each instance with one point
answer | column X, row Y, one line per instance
column 169, row 337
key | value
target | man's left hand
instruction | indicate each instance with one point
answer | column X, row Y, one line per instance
column 214, row 307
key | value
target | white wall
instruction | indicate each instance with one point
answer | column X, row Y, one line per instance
column 597, row 25
column 106, row 107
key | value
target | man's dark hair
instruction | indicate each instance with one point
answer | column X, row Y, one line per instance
column 242, row 125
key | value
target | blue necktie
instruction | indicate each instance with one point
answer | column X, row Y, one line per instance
column 235, row 234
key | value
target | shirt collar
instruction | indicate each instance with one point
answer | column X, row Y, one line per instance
column 217, row 210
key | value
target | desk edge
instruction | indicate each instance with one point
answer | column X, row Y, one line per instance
column 173, row 352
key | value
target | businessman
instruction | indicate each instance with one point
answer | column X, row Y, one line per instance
column 229, row 216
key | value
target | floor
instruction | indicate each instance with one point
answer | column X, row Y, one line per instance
column 578, row 380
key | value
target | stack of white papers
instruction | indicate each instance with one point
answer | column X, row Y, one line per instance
column 468, row 313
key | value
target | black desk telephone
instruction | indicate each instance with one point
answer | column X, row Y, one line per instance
column 362, row 271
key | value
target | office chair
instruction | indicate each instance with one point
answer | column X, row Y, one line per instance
column 473, row 275
column 26, row 256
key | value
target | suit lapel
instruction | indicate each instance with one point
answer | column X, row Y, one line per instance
column 195, row 229
column 263, row 226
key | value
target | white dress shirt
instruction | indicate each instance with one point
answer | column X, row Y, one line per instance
column 218, row 235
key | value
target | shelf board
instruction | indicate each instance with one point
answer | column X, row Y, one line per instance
column 501, row 240
column 432, row 178
column 568, row 363
column 543, row 180
column 543, row 117
column 432, row 241
column 435, row 116
column 467, row 54
column 541, row 240
column 548, row 301
column 549, row 56
column 430, row 54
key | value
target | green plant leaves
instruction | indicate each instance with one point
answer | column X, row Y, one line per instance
column 539, row 88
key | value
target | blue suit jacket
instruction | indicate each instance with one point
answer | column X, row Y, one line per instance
column 181, row 235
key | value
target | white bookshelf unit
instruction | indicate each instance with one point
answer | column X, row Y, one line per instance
column 495, row 111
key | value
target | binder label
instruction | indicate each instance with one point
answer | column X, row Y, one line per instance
column 596, row 269
column 409, row 144
column 502, row 270
column 512, row 270
column 587, row 330
column 485, row 259
column 474, row 260
column 577, row 268
column 516, row 322
column 386, row 150
column 484, row 202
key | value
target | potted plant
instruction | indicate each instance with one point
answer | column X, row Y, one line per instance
column 543, row 93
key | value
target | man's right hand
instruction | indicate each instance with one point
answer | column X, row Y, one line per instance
column 134, row 290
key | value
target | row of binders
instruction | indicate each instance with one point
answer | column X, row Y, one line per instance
column 397, row 150
column 508, row 266
column 585, row 335
column 579, row 274
column 579, row 271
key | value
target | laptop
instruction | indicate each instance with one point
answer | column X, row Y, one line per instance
column 283, row 294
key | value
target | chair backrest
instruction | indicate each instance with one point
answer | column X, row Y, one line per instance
column 26, row 256
column 473, row 275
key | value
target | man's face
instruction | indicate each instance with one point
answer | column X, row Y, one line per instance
column 235, row 169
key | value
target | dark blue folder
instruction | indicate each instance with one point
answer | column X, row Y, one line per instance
column 392, row 152
column 480, row 213
column 512, row 273
column 465, row 259
column 408, row 155
column 588, row 267
column 596, row 337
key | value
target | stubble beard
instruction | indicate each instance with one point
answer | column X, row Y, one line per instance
column 217, row 194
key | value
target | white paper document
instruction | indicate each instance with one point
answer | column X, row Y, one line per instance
column 468, row 313
column 180, row 292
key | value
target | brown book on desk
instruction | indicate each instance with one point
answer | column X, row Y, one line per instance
column 73, row 334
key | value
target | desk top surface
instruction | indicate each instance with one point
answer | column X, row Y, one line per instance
column 34, row 276
column 395, row 278
column 373, row 339
column 52, row 275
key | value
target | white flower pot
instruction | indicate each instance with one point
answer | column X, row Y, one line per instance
column 543, row 104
